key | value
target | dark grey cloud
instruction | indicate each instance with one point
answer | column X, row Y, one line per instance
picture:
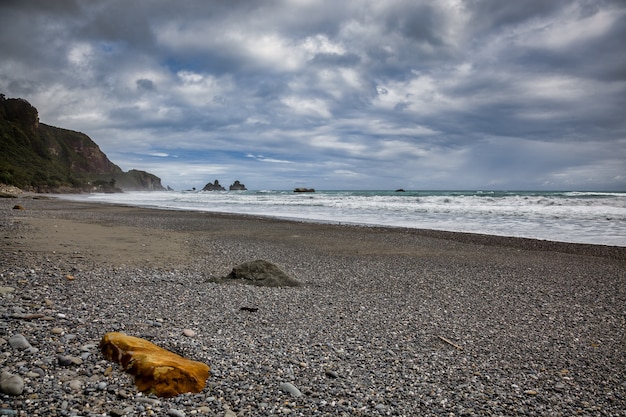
column 450, row 94
column 145, row 84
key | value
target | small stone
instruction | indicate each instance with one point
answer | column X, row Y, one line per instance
column 230, row 413
column 530, row 392
column 70, row 277
column 116, row 412
column 291, row 389
column 69, row 360
column 175, row 413
column 6, row 290
column 56, row 330
column 11, row 384
column 189, row 333
column 18, row 341
column 28, row 316
column 147, row 400
column 76, row 385
column 101, row 386
column 331, row 374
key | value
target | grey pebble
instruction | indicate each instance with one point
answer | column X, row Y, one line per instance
column 151, row 401
column 88, row 347
column 18, row 341
column 176, row 413
column 76, row 385
column 291, row 389
column 11, row 384
column 68, row 360
column 6, row 290
column 331, row 374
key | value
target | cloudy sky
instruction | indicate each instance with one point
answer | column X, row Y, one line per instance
column 354, row 94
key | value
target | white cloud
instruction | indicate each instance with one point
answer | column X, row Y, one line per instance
column 307, row 106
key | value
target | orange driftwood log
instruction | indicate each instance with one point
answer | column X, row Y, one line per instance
column 156, row 370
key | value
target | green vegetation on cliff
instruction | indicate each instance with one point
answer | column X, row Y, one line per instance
column 44, row 158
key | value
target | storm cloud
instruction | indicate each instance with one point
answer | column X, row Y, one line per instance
column 475, row 94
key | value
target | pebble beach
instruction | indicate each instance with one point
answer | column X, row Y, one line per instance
column 387, row 322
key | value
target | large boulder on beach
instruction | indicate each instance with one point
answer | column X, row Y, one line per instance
column 261, row 273
column 156, row 370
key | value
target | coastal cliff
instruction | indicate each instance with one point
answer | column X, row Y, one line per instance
column 38, row 157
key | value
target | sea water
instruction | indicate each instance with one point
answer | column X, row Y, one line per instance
column 579, row 217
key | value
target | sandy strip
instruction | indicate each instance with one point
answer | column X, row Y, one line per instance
column 130, row 235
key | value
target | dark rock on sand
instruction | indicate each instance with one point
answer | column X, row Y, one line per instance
column 261, row 273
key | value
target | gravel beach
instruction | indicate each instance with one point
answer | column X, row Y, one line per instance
column 388, row 322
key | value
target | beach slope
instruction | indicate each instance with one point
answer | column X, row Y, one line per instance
column 388, row 321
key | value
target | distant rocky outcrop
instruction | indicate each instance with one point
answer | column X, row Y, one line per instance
column 215, row 186
column 237, row 186
column 303, row 190
column 38, row 157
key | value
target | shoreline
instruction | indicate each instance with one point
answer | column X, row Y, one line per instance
column 570, row 239
column 388, row 322
column 601, row 250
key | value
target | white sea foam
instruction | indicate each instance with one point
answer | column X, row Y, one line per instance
column 580, row 217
